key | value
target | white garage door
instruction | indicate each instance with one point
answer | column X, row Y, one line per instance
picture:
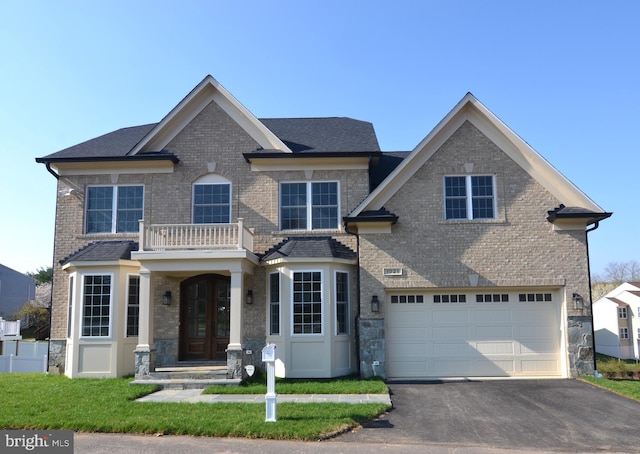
column 507, row 334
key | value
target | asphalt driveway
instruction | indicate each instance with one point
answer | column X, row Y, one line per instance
column 553, row 415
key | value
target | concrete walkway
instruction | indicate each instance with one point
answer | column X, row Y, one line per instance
column 195, row 396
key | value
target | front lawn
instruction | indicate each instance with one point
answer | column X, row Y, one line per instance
column 342, row 385
column 37, row 401
column 626, row 388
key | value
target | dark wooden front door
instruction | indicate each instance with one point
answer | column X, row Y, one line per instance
column 204, row 318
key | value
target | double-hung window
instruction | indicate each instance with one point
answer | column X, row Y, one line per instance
column 342, row 303
column 624, row 333
column 133, row 306
column 114, row 209
column 96, row 306
column 274, row 304
column 307, row 302
column 469, row 197
column 212, row 203
column 309, row 206
column 622, row 312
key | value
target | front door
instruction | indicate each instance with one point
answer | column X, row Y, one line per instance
column 204, row 318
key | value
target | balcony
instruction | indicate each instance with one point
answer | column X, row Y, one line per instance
column 196, row 237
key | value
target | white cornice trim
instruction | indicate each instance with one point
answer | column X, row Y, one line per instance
column 470, row 109
column 202, row 95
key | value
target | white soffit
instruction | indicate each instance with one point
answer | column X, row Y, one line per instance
column 472, row 110
column 202, row 95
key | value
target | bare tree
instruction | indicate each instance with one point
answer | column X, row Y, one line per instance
column 615, row 273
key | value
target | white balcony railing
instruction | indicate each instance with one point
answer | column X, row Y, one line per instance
column 165, row 237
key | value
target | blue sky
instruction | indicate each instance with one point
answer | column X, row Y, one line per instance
column 563, row 75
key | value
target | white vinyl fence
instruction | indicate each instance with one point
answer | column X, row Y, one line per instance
column 21, row 356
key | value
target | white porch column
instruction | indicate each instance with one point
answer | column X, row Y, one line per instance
column 234, row 349
column 145, row 358
column 235, row 334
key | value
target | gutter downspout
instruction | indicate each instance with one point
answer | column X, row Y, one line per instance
column 57, row 177
column 593, row 329
column 51, row 171
column 357, row 319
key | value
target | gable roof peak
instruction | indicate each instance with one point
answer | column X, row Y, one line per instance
column 207, row 91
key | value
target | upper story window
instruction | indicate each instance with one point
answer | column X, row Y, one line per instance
column 622, row 312
column 624, row 333
column 114, row 209
column 212, row 200
column 469, row 197
column 309, row 206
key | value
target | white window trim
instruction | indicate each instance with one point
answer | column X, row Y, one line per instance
column 322, row 302
column 126, row 311
column 114, row 207
column 309, row 207
column 622, row 313
column 269, row 304
column 111, row 288
column 71, row 303
column 624, row 333
column 335, row 295
column 211, row 179
column 469, row 197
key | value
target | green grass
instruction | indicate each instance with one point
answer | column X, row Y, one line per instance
column 37, row 401
column 626, row 388
column 342, row 385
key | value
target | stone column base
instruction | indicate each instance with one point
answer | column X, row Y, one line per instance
column 145, row 363
column 234, row 363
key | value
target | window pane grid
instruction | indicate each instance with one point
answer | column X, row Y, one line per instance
column 309, row 205
column 274, row 304
column 211, row 203
column 342, row 303
column 307, row 303
column 103, row 201
column 96, row 306
column 469, row 197
column 133, row 306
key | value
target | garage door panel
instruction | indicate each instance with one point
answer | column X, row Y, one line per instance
column 496, row 339
column 495, row 348
column 450, row 316
column 492, row 316
column 497, row 368
column 451, row 332
column 528, row 348
column 539, row 367
column 413, row 333
column 451, row 348
column 492, row 332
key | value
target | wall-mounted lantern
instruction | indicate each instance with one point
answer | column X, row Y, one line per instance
column 249, row 296
column 166, row 298
column 578, row 301
column 375, row 304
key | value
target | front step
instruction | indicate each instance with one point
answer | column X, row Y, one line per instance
column 189, row 377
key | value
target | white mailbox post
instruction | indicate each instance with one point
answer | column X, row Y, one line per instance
column 269, row 356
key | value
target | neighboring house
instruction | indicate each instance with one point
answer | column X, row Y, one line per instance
column 462, row 257
column 617, row 323
column 16, row 289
